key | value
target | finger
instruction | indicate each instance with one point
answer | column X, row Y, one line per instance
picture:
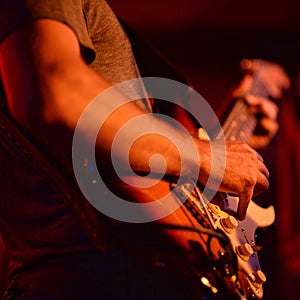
column 261, row 185
column 256, row 65
column 243, row 204
column 282, row 79
column 251, row 65
column 268, row 108
column 275, row 76
column 257, row 155
column 252, row 100
column 263, row 169
column 275, row 91
column 259, row 141
column 269, row 129
column 270, row 126
column 264, row 106
column 243, row 87
column 245, row 198
column 286, row 82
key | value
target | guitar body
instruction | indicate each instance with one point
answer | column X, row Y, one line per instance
column 183, row 242
column 257, row 217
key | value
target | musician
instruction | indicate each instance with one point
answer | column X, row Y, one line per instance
column 56, row 56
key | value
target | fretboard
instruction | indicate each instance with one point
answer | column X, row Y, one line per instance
column 241, row 122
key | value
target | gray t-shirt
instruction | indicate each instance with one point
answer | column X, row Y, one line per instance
column 103, row 42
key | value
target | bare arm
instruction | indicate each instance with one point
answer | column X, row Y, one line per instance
column 48, row 86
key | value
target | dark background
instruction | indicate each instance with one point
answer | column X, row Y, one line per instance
column 205, row 41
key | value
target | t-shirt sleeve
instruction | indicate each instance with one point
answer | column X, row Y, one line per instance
column 15, row 13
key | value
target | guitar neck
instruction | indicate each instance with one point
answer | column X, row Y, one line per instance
column 241, row 122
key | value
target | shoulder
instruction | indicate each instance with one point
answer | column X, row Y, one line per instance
column 17, row 13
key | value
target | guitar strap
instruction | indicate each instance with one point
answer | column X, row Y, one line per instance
column 21, row 148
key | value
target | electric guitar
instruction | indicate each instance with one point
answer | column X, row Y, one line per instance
column 229, row 265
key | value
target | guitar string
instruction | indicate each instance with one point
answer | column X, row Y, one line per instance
column 241, row 123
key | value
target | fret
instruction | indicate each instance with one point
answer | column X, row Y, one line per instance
column 241, row 122
column 258, row 87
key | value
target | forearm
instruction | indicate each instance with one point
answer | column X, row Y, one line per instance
column 58, row 95
column 138, row 137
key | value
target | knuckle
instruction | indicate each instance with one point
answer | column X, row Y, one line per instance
column 251, row 179
column 250, row 182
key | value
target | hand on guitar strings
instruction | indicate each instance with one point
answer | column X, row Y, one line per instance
column 267, row 127
column 262, row 86
column 245, row 173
